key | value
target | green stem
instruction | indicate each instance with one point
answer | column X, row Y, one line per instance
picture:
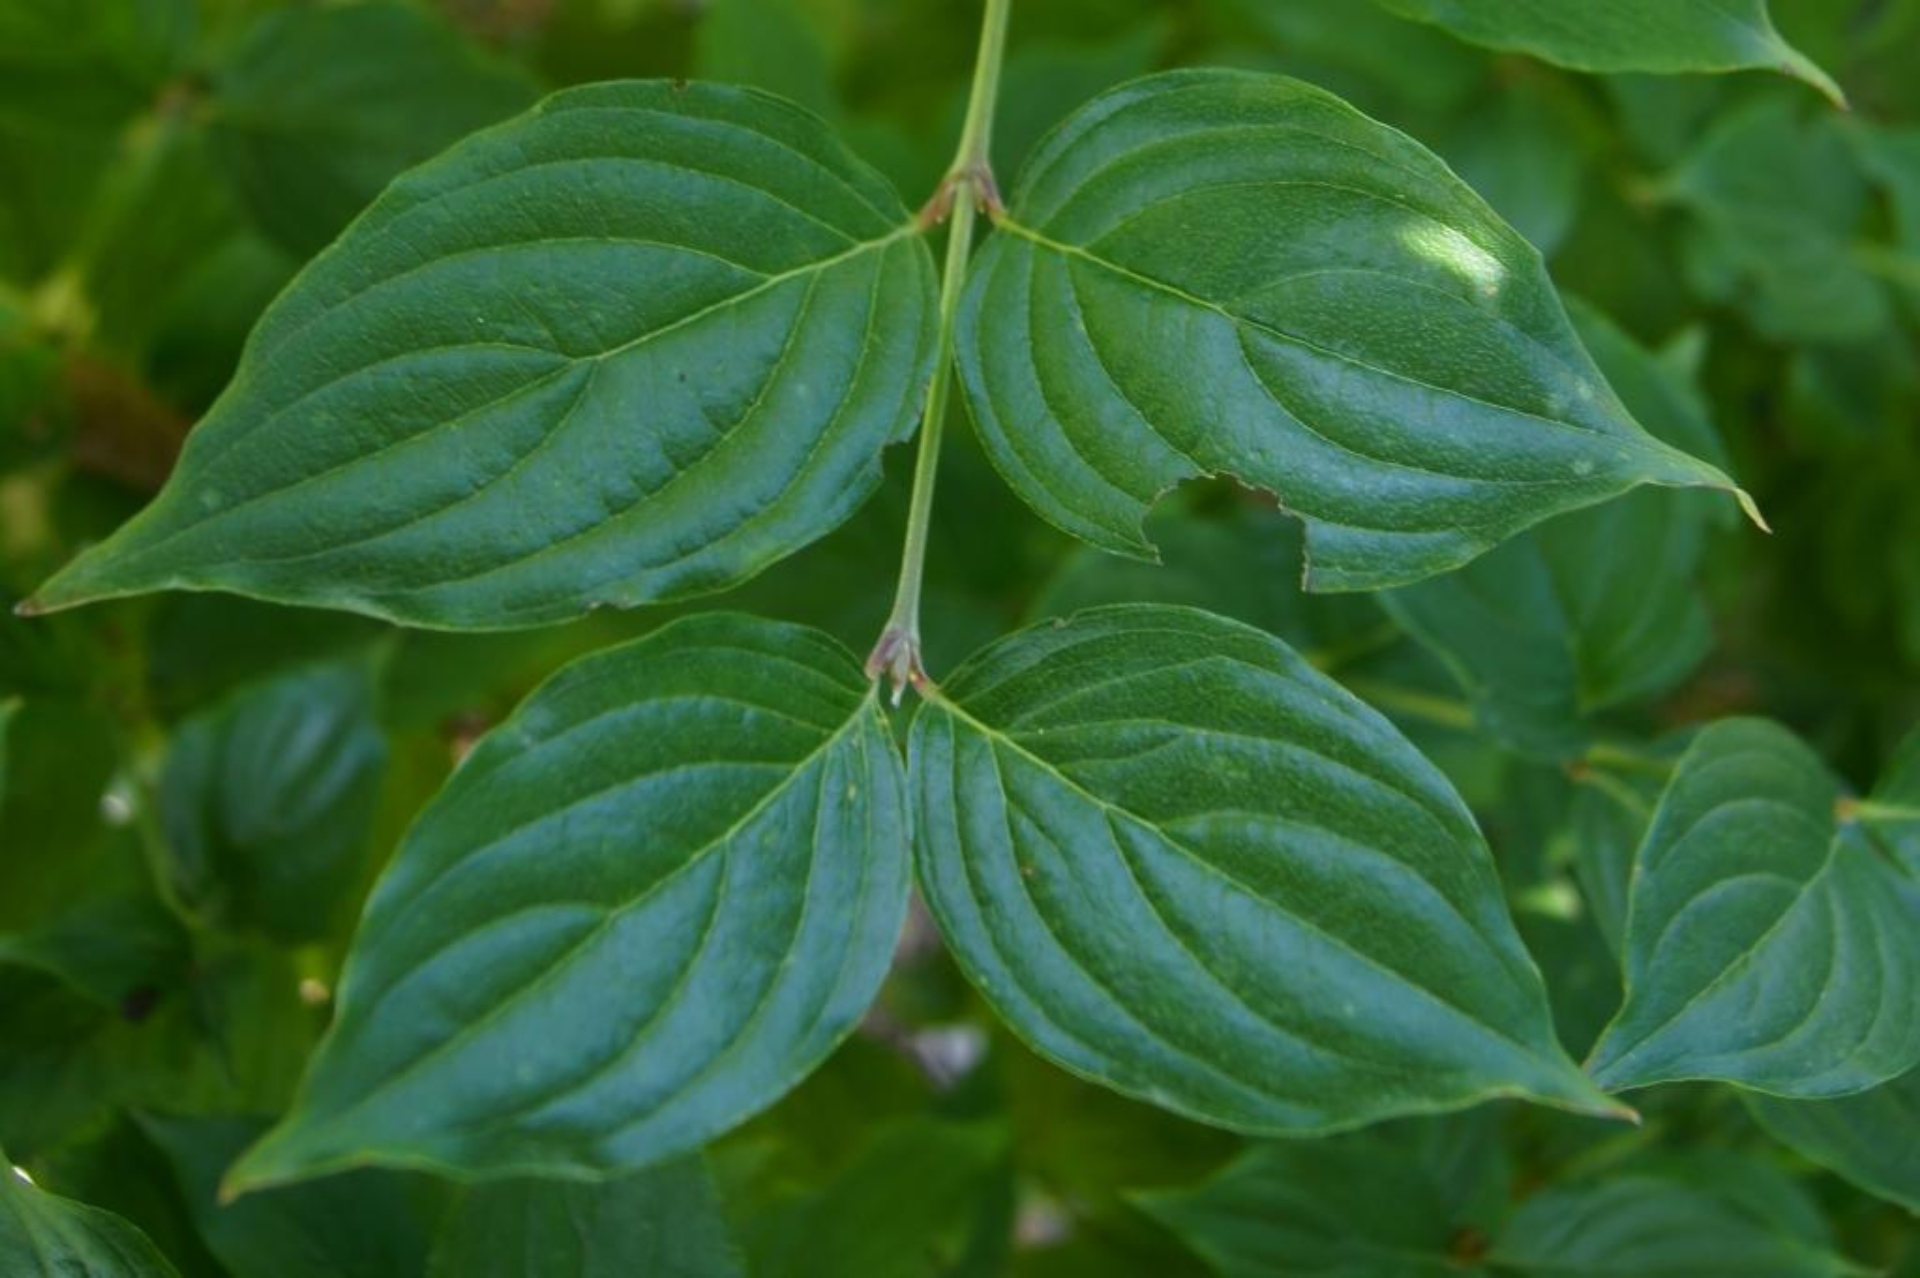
column 967, row 189
column 1441, row 711
column 1618, row 758
column 1891, row 813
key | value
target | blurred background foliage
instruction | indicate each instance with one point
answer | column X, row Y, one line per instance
column 197, row 790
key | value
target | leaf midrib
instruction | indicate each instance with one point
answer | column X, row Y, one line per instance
column 1040, row 239
column 571, row 362
column 695, row 857
column 948, row 706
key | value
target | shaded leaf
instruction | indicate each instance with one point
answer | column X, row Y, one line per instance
column 634, row 345
column 1779, row 202
column 1215, row 272
column 1628, row 35
column 1180, row 862
column 905, row 1206
column 1767, row 945
column 661, row 1223
column 774, row 45
column 268, row 798
column 320, row 106
column 709, row 821
column 363, row 1225
column 1867, row 1137
column 1566, row 620
column 1244, row 565
column 1358, row 1206
column 45, row 1236
column 1640, row 1225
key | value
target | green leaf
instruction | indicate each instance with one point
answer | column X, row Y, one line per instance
column 906, row 1206
column 1862, row 1137
column 369, row 1224
column 1180, row 862
column 268, row 799
column 1388, row 67
column 776, row 45
column 1244, row 565
column 1891, row 815
column 1640, row 1225
column 1215, row 272
column 116, row 1168
column 321, row 106
column 1353, row 1205
column 1766, row 945
column 1628, row 35
column 1891, row 156
column 665, row 1221
column 634, row 345
column 1608, row 821
column 72, row 77
column 1778, row 203
column 1565, row 620
column 1866, row 1138
column 708, row 823
column 44, row 1236
column 1527, row 153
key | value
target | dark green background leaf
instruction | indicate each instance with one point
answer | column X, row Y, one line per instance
column 268, row 800
column 44, row 1236
column 1627, row 35
column 311, row 127
column 665, row 1221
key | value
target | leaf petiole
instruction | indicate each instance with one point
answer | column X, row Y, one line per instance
column 967, row 190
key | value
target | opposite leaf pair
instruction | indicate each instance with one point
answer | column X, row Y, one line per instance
column 647, row 339
column 1172, row 855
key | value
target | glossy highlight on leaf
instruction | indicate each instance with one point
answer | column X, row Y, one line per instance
column 645, row 907
column 1213, row 272
column 1180, row 862
column 634, row 345
column 1767, row 944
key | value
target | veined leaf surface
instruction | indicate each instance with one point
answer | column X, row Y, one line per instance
column 1564, row 620
column 644, row 907
column 1181, row 862
column 1217, row 272
column 631, row 346
column 1767, row 944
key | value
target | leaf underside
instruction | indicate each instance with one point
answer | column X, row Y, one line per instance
column 644, row 907
column 1180, row 862
column 631, row 346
